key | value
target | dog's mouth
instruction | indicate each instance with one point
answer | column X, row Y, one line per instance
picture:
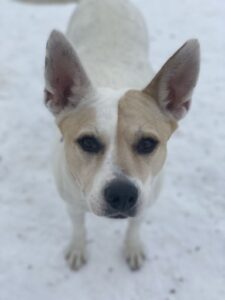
column 118, row 216
column 121, row 215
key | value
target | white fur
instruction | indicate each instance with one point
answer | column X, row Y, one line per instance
column 106, row 108
column 111, row 35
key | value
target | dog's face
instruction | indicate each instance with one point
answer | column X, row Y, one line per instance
column 115, row 141
column 115, row 148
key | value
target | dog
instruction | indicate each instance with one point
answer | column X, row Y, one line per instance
column 114, row 116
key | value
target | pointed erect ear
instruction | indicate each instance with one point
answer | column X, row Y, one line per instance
column 66, row 82
column 173, row 86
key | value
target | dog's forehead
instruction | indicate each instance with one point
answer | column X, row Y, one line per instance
column 130, row 111
column 118, row 112
column 107, row 110
column 139, row 113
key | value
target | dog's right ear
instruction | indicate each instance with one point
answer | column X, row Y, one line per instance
column 66, row 82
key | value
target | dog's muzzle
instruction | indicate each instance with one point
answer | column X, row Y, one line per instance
column 121, row 198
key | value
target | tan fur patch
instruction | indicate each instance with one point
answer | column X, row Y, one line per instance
column 83, row 166
column 138, row 116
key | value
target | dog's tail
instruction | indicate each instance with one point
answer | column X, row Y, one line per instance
column 48, row 1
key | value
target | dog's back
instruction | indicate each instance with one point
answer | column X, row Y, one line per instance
column 111, row 39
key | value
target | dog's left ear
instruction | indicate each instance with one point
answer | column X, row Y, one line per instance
column 173, row 86
column 66, row 81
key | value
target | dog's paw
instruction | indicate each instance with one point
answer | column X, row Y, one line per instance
column 75, row 257
column 135, row 256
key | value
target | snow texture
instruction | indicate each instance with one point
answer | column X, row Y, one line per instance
column 184, row 232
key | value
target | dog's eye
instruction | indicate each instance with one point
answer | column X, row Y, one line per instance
column 146, row 145
column 90, row 144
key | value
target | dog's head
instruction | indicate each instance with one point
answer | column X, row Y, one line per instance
column 115, row 141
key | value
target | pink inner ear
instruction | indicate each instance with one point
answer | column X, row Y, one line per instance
column 173, row 85
column 179, row 109
column 60, row 78
column 66, row 80
column 63, row 85
column 179, row 88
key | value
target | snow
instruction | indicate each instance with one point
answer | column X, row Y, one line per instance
column 184, row 232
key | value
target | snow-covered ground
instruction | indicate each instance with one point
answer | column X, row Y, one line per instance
column 185, row 230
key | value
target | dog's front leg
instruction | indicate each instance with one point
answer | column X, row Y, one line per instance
column 134, row 252
column 76, row 251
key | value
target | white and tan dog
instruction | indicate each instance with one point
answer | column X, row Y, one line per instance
column 115, row 118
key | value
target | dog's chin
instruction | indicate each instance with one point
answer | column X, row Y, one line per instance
column 118, row 216
column 121, row 215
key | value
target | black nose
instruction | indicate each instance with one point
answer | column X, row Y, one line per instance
column 121, row 195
